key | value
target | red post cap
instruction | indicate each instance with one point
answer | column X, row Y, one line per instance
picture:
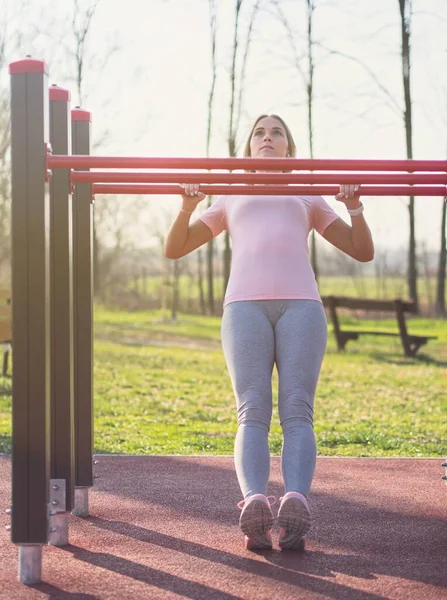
column 28, row 65
column 59, row 94
column 79, row 114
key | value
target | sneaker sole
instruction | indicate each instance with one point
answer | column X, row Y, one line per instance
column 295, row 518
column 255, row 522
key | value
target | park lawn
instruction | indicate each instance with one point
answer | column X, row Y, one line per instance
column 163, row 388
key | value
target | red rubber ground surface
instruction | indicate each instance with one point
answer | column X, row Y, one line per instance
column 167, row 527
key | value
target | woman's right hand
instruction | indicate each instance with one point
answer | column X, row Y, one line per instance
column 192, row 196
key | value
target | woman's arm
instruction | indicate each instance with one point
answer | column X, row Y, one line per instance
column 355, row 240
column 183, row 238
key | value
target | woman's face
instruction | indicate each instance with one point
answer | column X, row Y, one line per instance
column 269, row 139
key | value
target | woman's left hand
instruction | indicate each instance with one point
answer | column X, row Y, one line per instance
column 349, row 195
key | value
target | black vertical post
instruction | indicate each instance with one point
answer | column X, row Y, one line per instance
column 61, row 305
column 83, row 309
column 30, row 307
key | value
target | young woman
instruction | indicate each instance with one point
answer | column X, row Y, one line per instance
column 273, row 314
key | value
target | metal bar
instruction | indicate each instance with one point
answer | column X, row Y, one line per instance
column 277, row 190
column 274, row 164
column 83, row 308
column 30, row 306
column 259, row 178
column 61, row 302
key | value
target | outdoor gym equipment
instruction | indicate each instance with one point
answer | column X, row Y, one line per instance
column 52, row 312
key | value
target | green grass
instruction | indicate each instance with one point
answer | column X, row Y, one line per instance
column 163, row 388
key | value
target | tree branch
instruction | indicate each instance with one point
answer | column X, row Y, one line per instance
column 393, row 104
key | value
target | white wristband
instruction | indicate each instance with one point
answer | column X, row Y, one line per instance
column 187, row 212
column 356, row 211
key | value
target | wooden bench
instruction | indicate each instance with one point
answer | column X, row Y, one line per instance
column 5, row 327
column 410, row 343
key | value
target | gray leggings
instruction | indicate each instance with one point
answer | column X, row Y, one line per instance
column 256, row 334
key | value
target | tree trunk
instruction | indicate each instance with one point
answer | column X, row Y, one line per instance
column 308, row 80
column 237, row 84
column 210, row 245
column 231, row 129
column 164, row 280
column 440, row 288
column 310, row 90
column 200, row 282
column 210, row 276
column 175, row 290
column 405, row 13
column 428, row 288
column 96, row 262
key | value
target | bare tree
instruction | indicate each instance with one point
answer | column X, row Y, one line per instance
column 308, row 80
column 210, row 247
column 238, row 71
column 440, row 307
column 405, row 7
column 440, row 304
column 13, row 33
column 107, row 212
column 70, row 31
column 310, row 95
column 171, row 270
column 81, row 25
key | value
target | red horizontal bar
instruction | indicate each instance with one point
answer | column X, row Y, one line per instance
column 274, row 164
column 271, row 190
column 260, row 178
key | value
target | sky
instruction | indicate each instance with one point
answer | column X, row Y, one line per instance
column 149, row 96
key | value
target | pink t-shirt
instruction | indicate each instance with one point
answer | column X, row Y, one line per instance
column 269, row 235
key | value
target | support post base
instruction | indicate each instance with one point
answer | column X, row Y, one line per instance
column 30, row 564
column 59, row 529
column 81, row 508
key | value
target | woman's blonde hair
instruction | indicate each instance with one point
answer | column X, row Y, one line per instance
column 290, row 141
